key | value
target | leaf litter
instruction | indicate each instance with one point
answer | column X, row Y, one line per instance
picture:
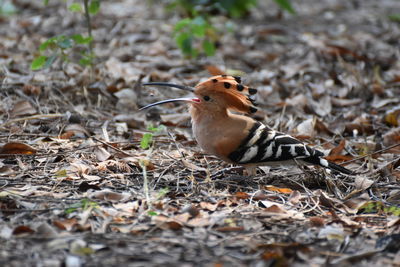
column 72, row 159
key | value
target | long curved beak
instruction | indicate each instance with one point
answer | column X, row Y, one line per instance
column 182, row 87
column 184, row 99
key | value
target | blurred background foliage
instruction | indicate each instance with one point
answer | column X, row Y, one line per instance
column 197, row 34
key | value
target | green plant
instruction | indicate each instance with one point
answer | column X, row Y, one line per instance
column 379, row 207
column 189, row 29
column 196, row 32
column 395, row 17
column 61, row 46
column 147, row 139
column 84, row 204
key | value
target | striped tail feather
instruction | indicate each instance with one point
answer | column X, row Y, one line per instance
column 328, row 164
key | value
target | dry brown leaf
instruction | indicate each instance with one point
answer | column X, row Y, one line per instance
column 17, row 148
column 79, row 168
column 191, row 209
column 66, row 224
column 6, row 171
column 77, row 129
column 172, row 225
column 199, row 222
column 392, row 137
column 322, row 107
column 30, row 89
column 101, row 154
column 67, row 135
column 306, row 127
column 355, row 204
column 208, row 206
column 110, row 196
column 260, row 195
column 230, row 229
column 45, row 230
column 135, row 230
column 340, row 102
column 191, row 166
column 393, row 221
column 276, row 256
column 362, row 182
column 183, row 217
column 317, row 221
column 294, row 197
column 278, row 189
column 22, row 108
column 338, row 150
column 22, row 229
column 242, row 195
column 275, row 209
column 320, row 127
column 339, row 158
column 166, row 223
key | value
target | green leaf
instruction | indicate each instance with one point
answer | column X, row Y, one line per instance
column 64, row 42
column 156, row 129
column 61, row 173
column 182, row 24
column 86, row 61
column 94, row 7
column 70, row 210
column 43, row 46
column 285, row 5
column 50, row 60
column 38, row 63
column 208, row 47
column 75, row 7
column 152, row 213
column 184, row 42
column 162, row 192
column 87, row 58
column 199, row 26
column 45, row 2
column 395, row 17
column 79, row 39
column 147, row 138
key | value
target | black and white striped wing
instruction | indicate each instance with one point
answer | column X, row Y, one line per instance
column 264, row 145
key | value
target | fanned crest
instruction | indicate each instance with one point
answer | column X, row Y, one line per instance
column 236, row 95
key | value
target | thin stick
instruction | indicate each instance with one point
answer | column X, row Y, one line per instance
column 34, row 117
column 110, row 146
column 373, row 153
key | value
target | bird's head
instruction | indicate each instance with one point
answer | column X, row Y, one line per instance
column 218, row 93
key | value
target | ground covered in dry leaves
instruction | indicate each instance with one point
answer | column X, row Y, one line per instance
column 76, row 188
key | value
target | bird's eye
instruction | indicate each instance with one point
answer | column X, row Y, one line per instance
column 206, row 98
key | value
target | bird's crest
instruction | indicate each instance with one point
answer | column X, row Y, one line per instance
column 228, row 89
column 237, row 96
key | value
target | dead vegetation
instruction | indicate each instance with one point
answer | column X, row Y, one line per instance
column 77, row 188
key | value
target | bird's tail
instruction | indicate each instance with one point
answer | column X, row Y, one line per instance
column 328, row 164
column 335, row 167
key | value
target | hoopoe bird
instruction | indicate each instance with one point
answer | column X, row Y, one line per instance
column 236, row 138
